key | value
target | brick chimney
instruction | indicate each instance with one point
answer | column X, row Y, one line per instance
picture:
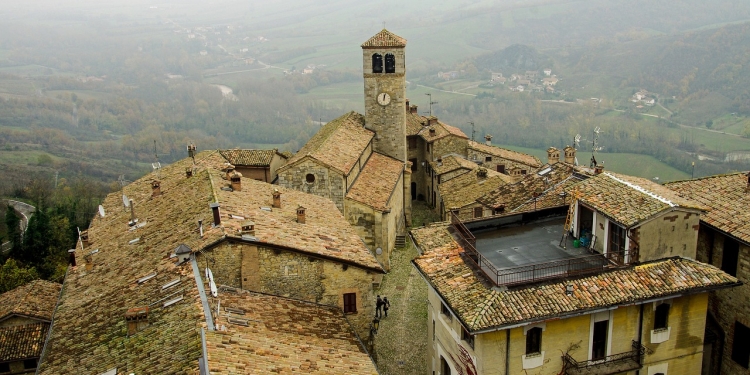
column 236, row 181
column 72, row 257
column 155, row 188
column 89, row 259
column 137, row 319
column 85, row 238
column 432, row 120
column 215, row 211
column 407, row 104
column 599, row 168
column 553, row 155
column 189, row 172
column 229, row 169
column 432, row 130
column 488, row 140
column 413, row 109
column 301, row 215
column 276, row 198
column 481, row 173
column 248, row 227
column 570, row 155
column 515, row 173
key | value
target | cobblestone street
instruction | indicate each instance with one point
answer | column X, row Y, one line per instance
column 401, row 342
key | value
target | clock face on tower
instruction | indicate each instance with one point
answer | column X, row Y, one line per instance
column 384, row 99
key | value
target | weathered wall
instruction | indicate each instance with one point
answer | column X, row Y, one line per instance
column 276, row 162
column 476, row 155
column 328, row 183
column 449, row 145
column 257, row 173
column 672, row 234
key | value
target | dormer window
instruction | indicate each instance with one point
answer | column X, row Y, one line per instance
column 377, row 63
column 390, row 63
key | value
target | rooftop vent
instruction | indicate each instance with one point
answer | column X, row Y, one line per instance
column 155, row 188
column 183, row 253
column 301, row 215
column 488, row 140
column 215, row 211
column 236, row 181
column 137, row 319
column 276, row 198
column 248, row 227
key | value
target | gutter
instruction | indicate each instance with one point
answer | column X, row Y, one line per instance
column 202, row 293
column 51, row 323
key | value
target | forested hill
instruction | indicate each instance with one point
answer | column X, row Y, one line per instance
column 515, row 58
column 707, row 71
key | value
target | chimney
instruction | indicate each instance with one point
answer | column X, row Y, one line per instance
column 200, row 227
column 89, row 262
column 407, row 104
column 137, row 319
column 413, row 109
column 183, row 253
column 481, row 173
column 229, row 169
column 248, row 227
column 570, row 155
column 599, row 168
column 191, row 151
column 432, row 120
column 301, row 215
column 215, row 210
column 553, row 155
column 189, row 172
column 488, row 140
column 155, row 188
column 276, row 198
column 515, row 173
column 748, row 181
column 133, row 219
column 85, row 238
column 440, row 162
column 432, row 130
column 72, row 257
column 236, row 181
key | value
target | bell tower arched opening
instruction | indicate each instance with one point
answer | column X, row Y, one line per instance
column 377, row 63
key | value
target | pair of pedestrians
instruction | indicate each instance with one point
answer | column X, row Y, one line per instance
column 381, row 307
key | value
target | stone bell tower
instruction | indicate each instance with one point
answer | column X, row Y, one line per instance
column 384, row 71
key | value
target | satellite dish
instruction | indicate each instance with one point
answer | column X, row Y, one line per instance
column 211, row 283
column 125, row 200
column 101, row 211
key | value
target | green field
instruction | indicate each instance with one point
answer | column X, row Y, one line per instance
column 630, row 164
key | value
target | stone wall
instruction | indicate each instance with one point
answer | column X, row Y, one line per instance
column 672, row 234
column 256, row 173
column 495, row 161
column 449, row 145
column 328, row 183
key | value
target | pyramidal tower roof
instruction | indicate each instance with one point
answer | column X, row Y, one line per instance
column 385, row 38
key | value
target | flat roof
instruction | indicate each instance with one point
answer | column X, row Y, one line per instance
column 527, row 244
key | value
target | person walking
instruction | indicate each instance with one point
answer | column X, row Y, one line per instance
column 386, row 306
column 378, row 307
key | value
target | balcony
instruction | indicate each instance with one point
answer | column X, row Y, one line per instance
column 611, row 364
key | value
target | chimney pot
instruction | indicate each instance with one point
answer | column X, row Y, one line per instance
column 570, row 154
column 155, row 188
column 217, row 216
column 599, row 168
column 488, row 140
column 553, row 155
column 85, row 238
column 413, row 109
column 72, row 257
column 276, row 198
column 301, row 215
column 481, row 172
column 189, row 172
column 236, row 181
column 137, row 319
column 248, row 227
column 432, row 131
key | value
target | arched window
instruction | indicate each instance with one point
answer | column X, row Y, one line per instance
column 377, row 63
column 390, row 63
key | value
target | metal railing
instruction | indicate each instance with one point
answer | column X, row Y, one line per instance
column 615, row 363
column 534, row 272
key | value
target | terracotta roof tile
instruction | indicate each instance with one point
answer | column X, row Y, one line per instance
column 452, row 163
column 629, row 200
column 531, row 161
column 250, row 158
column 22, row 342
column 339, row 143
column 377, row 181
column 36, row 299
column 385, row 38
column 480, row 307
column 728, row 198
column 283, row 336
column 468, row 187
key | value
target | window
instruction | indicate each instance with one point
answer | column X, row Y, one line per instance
column 412, row 142
column 390, row 63
column 599, row 342
column 350, row 303
column 310, row 178
column 29, row 364
column 377, row 63
column 499, row 210
column 501, row 168
column 477, row 211
column 741, row 345
column 433, row 330
column 413, row 165
column 445, row 369
column 616, row 239
column 661, row 316
column 468, row 337
column 4, row 367
column 523, row 171
column 445, row 311
column 534, row 341
column 729, row 256
column 488, row 158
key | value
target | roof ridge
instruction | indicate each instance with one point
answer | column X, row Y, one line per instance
column 642, row 190
column 706, row 177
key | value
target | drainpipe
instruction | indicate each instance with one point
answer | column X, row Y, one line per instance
column 640, row 335
column 507, row 351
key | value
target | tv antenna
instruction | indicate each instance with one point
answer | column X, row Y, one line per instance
column 156, row 165
column 576, row 145
column 472, row 130
column 595, row 147
column 431, row 102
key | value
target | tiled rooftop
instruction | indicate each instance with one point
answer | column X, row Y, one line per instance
column 250, row 158
column 283, row 336
column 629, row 200
column 728, row 198
column 89, row 333
column 385, row 38
column 377, row 181
column 417, row 125
column 451, row 163
column 479, row 307
column 36, row 299
column 466, row 188
column 22, row 342
column 520, row 157
column 339, row 143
